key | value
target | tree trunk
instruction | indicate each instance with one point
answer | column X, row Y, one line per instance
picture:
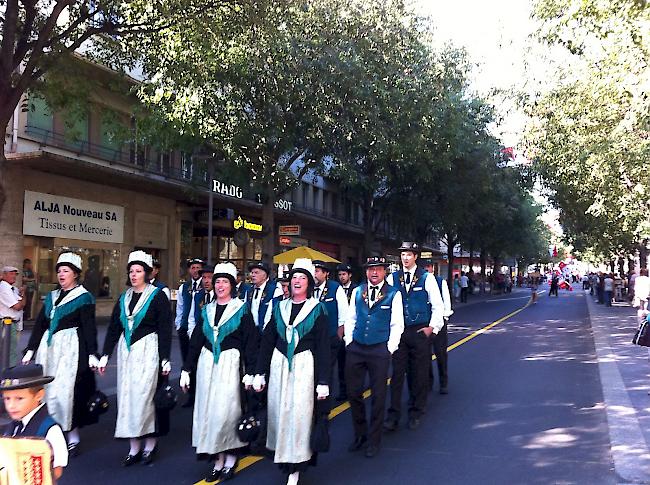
column 451, row 242
column 471, row 256
column 368, row 228
column 483, row 259
column 643, row 254
column 612, row 266
column 621, row 266
column 268, row 221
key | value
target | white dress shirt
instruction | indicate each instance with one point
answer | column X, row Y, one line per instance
column 8, row 298
column 196, row 286
column 436, row 322
column 341, row 301
column 55, row 438
column 257, row 299
column 396, row 318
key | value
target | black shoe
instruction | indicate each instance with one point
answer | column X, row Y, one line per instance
column 131, row 459
column 213, row 476
column 414, row 423
column 444, row 390
column 228, row 472
column 390, row 425
column 147, row 457
column 73, row 449
column 371, row 451
column 358, row 443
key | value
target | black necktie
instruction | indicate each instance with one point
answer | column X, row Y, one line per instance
column 193, row 287
column 373, row 294
column 317, row 293
column 257, row 292
column 18, row 427
column 207, row 298
column 408, row 278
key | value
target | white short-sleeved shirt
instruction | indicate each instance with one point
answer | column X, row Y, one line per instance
column 8, row 298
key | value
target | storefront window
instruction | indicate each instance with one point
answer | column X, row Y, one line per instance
column 101, row 274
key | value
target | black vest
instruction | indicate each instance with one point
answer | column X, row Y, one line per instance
column 38, row 426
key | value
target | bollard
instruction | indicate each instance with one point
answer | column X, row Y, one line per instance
column 5, row 353
column 5, row 342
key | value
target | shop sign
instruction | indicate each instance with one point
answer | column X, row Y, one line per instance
column 225, row 189
column 285, row 240
column 55, row 216
column 293, row 230
column 240, row 223
column 293, row 242
column 284, row 205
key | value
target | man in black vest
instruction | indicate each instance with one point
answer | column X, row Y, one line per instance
column 344, row 274
column 372, row 332
column 423, row 317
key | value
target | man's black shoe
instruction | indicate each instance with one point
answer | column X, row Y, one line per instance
column 371, row 451
column 414, row 423
column 390, row 425
column 358, row 443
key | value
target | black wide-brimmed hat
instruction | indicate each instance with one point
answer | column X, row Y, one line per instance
column 23, row 377
column 409, row 246
column 192, row 261
column 208, row 268
column 376, row 261
column 261, row 265
column 344, row 267
column 322, row 265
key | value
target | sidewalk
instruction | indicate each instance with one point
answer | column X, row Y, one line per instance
column 625, row 379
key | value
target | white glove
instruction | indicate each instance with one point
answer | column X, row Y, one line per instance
column 247, row 380
column 93, row 361
column 103, row 362
column 322, row 391
column 166, row 366
column 259, row 381
column 28, row 356
column 185, row 379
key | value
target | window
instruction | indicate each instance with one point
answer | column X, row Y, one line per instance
column 326, row 202
column 110, row 142
column 40, row 120
column 76, row 129
column 101, row 274
column 316, row 204
column 305, row 194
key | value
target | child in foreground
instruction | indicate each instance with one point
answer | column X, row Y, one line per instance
column 23, row 394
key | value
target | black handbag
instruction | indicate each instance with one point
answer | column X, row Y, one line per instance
column 165, row 398
column 98, row 404
column 319, row 441
column 642, row 335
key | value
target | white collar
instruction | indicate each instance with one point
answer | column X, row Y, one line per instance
column 322, row 285
column 261, row 287
column 286, row 305
column 347, row 286
column 26, row 419
column 412, row 270
column 231, row 308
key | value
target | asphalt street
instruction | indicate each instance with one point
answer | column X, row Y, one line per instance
column 525, row 406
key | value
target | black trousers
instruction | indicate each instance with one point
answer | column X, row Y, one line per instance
column 337, row 346
column 184, row 344
column 341, row 365
column 463, row 294
column 440, row 343
column 414, row 356
column 374, row 361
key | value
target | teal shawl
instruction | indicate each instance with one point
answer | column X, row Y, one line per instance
column 299, row 329
column 139, row 314
column 223, row 330
column 64, row 309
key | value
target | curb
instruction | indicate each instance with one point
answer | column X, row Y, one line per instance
column 630, row 451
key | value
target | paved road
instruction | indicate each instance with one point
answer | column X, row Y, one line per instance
column 525, row 406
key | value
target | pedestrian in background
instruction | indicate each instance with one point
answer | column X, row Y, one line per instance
column 64, row 339
column 344, row 273
column 456, row 288
column 608, row 289
column 29, row 281
column 12, row 303
column 141, row 329
column 294, row 359
column 464, row 287
column 642, row 289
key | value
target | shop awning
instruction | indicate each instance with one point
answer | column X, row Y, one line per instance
column 302, row 252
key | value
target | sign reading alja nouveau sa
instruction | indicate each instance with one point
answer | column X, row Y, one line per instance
column 56, row 216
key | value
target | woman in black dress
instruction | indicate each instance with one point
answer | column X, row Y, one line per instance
column 64, row 340
column 141, row 328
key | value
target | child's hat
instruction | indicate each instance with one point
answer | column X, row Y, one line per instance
column 23, row 377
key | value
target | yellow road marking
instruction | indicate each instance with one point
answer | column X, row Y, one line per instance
column 252, row 459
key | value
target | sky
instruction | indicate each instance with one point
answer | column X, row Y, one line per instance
column 496, row 35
